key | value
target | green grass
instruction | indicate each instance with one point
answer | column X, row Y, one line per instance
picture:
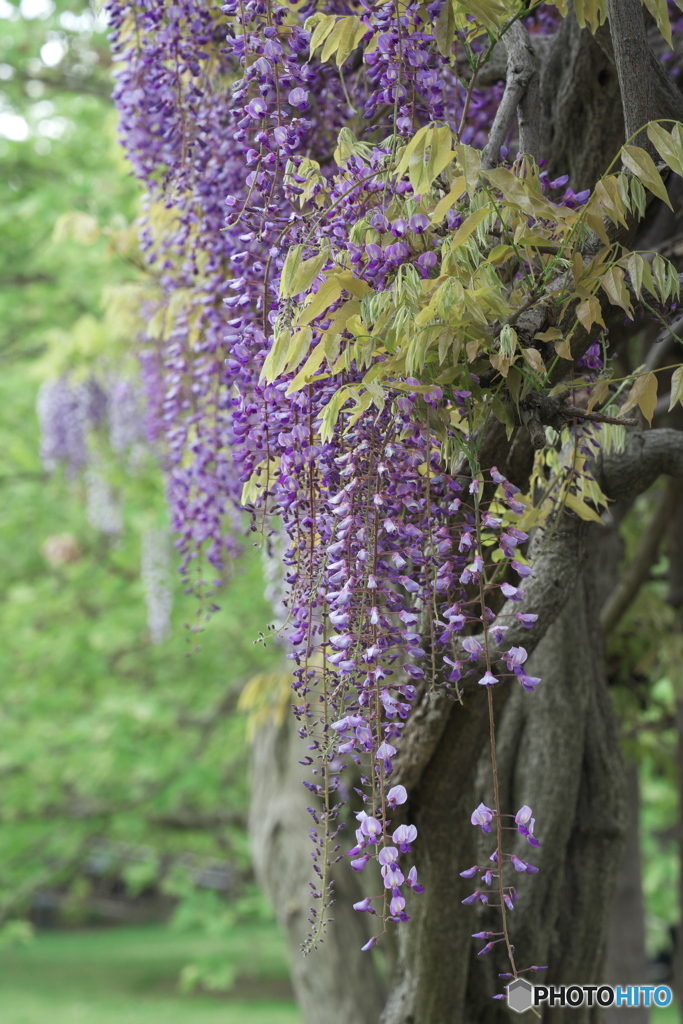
column 130, row 976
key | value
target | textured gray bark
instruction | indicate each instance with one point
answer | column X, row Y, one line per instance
column 627, row 961
column 336, row 983
column 560, row 753
column 581, row 119
column 631, row 54
column 521, row 97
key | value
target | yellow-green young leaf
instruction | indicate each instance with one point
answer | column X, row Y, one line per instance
column 612, row 282
column 444, row 30
column 596, row 224
column 418, row 141
column 639, row 272
column 661, row 277
column 658, row 10
column 329, row 292
column 275, row 360
column 598, row 394
column 563, row 349
column 330, row 413
column 308, row 369
column 468, row 226
column 351, row 35
column 590, row 12
column 676, row 387
column 297, row 277
column 608, row 195
column 534, row 359
column 582, row 510
column 589, row 312
column 445, row 204
column 353, row 284
column 504, row 414
column 298, row 347
column 291, row 265
column 469, row 160
column 333, row 40
column 644, row 395
column 643, row 166
column 673, row 282
column 489, row 13
column 666, row 146
column 350, row 308
column 421, row 172
column 551, row 334
column 322, row 31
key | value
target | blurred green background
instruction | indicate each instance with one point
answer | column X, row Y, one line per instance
column 126, row 893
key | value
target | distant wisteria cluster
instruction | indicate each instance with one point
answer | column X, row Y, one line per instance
column 157, row 581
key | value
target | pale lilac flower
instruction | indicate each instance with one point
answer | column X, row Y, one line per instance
column 488, row 679
column 392, row 875
column 397, row 795
column 404, row 836
column 483, row 816
column 473, row 647
column 371, row 828
column 397, row 905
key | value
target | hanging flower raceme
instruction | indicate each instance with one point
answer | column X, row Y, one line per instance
column 334, row 307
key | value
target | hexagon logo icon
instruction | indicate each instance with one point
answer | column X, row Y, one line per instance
column 520, row 995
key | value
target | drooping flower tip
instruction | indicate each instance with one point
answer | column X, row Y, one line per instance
column 364, row 905
column 412, row 881
column 369, row 944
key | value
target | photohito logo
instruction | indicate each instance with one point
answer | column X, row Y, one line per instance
column 522, row 995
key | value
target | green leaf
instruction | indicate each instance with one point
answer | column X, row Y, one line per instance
column 444, row 30
column 329, row 292
column 308, row 369
column 659, row 11
column 469, row 160
column 667, row 146
column 676, row 387
column 297, row 277
column 644, row 395
column 322, row 31
column 449, row 200
column 643, row 166
column 468, row 226
column 275, row 360
column 582, row 510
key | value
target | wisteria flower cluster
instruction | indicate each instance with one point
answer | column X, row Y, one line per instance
column 341, row 283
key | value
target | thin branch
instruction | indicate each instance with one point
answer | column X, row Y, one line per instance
column 522, row 92
column 638, row 571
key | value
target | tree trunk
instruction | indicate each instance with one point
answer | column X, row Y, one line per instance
column 559, row 753
column 627, row 961
column 336, row 983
